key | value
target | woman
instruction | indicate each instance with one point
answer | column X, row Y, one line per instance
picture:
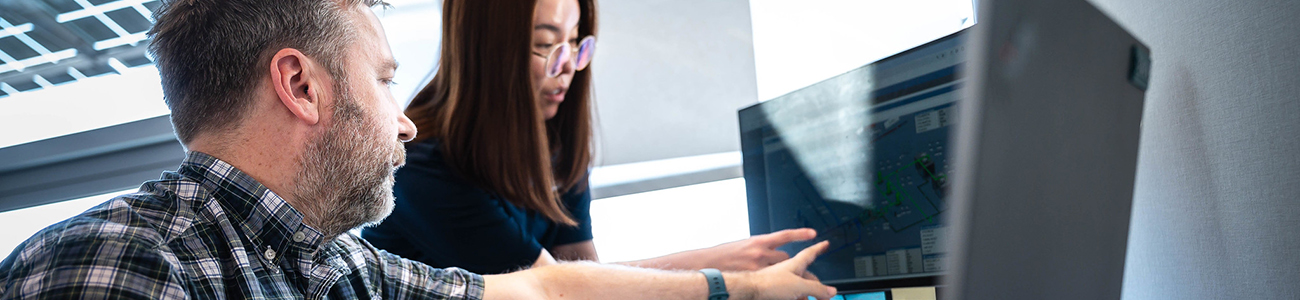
column 497, row 179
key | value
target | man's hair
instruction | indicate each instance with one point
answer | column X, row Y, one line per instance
column 211, row 53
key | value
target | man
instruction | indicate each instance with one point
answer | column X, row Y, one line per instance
column 289, row 146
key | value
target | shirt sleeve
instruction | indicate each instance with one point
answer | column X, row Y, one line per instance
column 578, row 202
column 88, row 268
column 453, row 224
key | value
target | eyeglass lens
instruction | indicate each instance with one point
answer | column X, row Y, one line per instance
column 561, row 55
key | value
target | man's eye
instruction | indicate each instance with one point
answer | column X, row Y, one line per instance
column 388, row 82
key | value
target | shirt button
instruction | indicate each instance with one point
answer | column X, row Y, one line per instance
column 269, row 254
column 299, row 236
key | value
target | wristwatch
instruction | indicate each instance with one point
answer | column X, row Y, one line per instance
column 717, row 286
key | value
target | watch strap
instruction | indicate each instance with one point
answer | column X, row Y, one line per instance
column 717, row 286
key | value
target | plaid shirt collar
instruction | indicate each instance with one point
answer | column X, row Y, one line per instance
column 274, row 228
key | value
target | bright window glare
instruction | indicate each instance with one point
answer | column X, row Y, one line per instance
column 639, row 171
column 83, row 105
column 657, row 223
column 798, row 43
column 21, row 224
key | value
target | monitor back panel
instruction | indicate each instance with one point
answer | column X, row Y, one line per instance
column 1045, row 155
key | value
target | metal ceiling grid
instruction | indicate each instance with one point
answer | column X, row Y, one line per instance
column 45, row 43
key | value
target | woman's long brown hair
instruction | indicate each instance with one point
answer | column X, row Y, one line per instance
column 481, row 105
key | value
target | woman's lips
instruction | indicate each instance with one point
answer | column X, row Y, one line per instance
column 556, row 95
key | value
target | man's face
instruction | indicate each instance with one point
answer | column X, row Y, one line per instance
column 348, row 169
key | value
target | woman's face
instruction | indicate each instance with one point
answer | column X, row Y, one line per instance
column 554, row 22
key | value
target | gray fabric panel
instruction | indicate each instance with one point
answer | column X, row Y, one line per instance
column 1046, row 155
column 1218, row 188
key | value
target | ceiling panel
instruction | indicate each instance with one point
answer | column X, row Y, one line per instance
column 45, row 43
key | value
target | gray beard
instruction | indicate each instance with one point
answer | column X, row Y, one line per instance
column 346, row 179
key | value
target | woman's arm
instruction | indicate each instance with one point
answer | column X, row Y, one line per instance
column 745, row 255
column 750, row 254
column 754, row 253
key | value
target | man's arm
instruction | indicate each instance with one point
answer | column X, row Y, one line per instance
column 785, row 280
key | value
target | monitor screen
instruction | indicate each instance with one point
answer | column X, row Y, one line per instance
column 861, row 158
column 876, row 295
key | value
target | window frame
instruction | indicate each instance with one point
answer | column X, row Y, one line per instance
column 87, row 163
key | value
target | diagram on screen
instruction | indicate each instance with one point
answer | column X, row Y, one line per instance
column 895, row 230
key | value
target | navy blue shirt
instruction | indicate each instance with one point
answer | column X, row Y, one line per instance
column 444, row 221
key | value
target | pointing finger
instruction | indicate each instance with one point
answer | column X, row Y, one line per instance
column 806, row 257
column 809, row 254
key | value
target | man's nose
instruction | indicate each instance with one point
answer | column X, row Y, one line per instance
column 405, row 128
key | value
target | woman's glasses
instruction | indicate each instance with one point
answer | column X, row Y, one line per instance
column 565, row 53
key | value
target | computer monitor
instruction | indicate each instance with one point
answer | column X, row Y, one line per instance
column 1045, row 152
column 862, row 158
column 1035, row 201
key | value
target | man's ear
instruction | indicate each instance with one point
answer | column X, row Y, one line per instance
column 296, row 85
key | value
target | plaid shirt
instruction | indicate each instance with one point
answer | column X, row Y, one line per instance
column 209, row 231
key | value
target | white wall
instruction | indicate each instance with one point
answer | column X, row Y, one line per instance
column 669, row 76
column 1217, row 202
column 799, row 43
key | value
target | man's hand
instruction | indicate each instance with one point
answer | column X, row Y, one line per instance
column 754, row 253
column 786, row 280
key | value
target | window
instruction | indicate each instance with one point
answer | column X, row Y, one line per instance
column 657, row 223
